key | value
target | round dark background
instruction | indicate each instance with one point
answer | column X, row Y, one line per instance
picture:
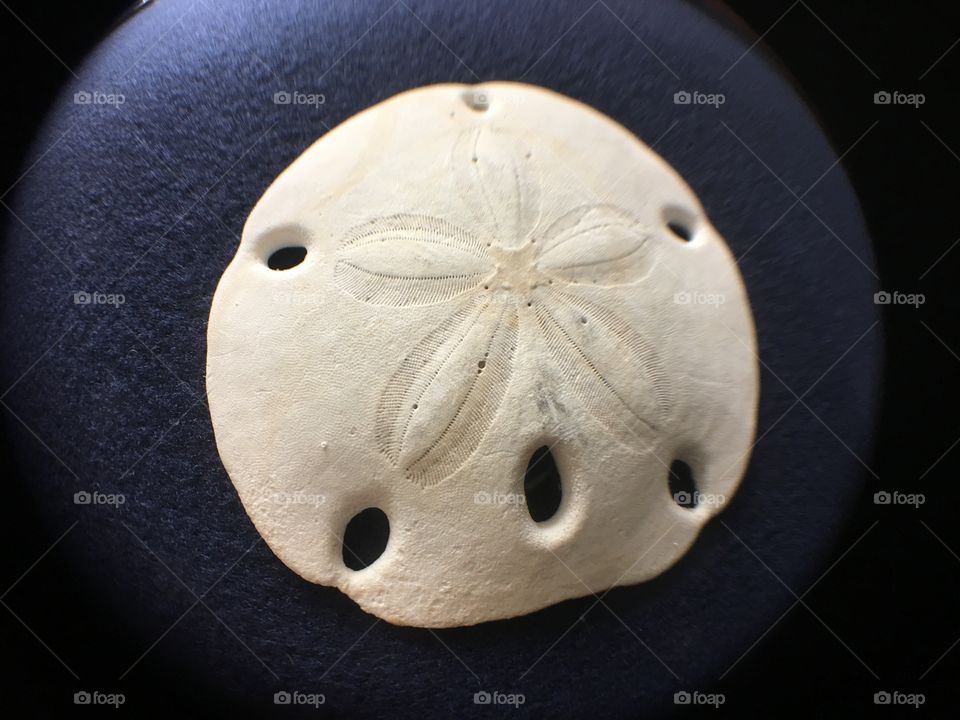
column 147, row 198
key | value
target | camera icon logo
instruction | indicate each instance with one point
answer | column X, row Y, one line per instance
column 82, row 698
column 82, row 297
column 281, row 698
column 82, row 498
column 682, row 698
column 882, row 698
column 282, row 98
column 683, row 498
column 481, row 698
column 882, row 498
column 881, row 298
column 682, row 97
column 882, row 98
column 82, row 98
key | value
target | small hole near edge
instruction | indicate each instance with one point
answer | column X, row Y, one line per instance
column 286, row 258
column 365, row 538
column 683, row 485
column 681, row 222
column 680, row 230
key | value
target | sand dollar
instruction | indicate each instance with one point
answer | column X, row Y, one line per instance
column 497, row 325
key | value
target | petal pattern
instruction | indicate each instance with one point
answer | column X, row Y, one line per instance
column 407, row 259
column 497, row 179
column 440, row 402
column 596, row 244
column 627, row 390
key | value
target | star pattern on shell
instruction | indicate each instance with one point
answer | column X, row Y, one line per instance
column 508, row 272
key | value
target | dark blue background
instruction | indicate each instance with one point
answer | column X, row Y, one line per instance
column 148, row 199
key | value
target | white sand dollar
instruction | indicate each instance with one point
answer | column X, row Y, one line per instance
column 488, row 270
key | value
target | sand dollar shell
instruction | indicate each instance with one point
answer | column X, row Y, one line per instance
column 441, row 299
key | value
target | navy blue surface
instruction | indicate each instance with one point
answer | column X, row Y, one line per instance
column 147, row 199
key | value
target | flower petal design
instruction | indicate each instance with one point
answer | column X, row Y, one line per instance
column 497, row 179
column 597, row 244
column 409, row 259
column 627, row 389
column 440, row 402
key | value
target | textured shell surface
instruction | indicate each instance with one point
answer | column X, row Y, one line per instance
column 479, row 272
